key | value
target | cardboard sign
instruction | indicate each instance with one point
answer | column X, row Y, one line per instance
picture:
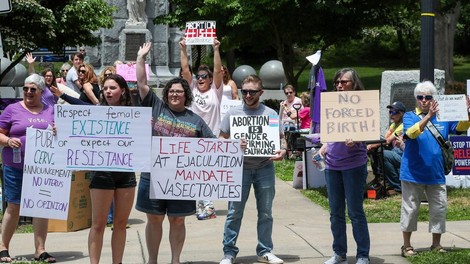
column 352, row 114
column 196, row 168
column 261, row 132
column 452, row 107
column 129, row 71
column 104, row 138
column 200, row 32
column 46, row 185
column 226, row 104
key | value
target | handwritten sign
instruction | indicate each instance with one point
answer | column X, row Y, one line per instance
column 261, row 133
column 452, row 107
column 461, row 145
column 226, row 104
column 196, row 168
column 46, row 185
column 128, row 71
column 352, row 114
column 104, row 138
column 200, row 32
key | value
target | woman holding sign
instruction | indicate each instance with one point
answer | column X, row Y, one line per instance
column 422, row 167
column 346, row 174
column 14, row 120
column 171, row 118
column 107, row 186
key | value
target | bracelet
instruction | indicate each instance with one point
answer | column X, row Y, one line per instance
column 289, row 113
column 8, row 142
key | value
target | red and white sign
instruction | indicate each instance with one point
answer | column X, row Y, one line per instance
column 200, row 32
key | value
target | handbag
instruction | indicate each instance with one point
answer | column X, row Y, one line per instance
column 446, row 147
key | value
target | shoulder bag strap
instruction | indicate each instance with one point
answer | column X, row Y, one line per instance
column 437, row 135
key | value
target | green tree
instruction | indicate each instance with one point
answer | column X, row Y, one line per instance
column 53, row 25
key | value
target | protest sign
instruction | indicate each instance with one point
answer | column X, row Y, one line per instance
column 46, row 185
column 128, row 71
column 200, row 32
column 226, row 104
column 452, row 107
column 261, row 133
column 196, row 168
column 461, row 145
column 350, row 115
column 104, row 138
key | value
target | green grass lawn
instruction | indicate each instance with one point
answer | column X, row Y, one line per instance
column 388, row 211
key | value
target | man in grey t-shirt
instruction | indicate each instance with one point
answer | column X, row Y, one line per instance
column 257, row 171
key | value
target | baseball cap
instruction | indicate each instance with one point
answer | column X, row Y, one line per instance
column 397, row 106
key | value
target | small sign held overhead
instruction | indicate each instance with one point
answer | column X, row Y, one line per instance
column 5, row 6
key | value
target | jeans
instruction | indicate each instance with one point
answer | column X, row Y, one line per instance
column 347, row 187
column 392, row 162
column 263, row 184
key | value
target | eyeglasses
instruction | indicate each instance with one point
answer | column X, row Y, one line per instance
column 203, row 76
column 287, row 93
column 82, row 71
column 107, row 74
column 82, row 50
column 393, row 112
column 250, row 92
column 65, row 70
column 30, row 89
column 343, row 82
column 175, row 92
column 426, row 97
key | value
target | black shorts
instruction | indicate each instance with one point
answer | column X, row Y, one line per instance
column 111, row 180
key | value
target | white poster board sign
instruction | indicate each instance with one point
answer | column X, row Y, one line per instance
column 452, row 107
column 200, row 32
column 196, row 169
column 226, row 104
column 352, row 114
column 104, row 138
column 261, row 133
column 46, row 185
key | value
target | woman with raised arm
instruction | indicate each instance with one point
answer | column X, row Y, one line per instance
column 172, row 110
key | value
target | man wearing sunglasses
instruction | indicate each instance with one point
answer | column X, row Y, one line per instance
column 257, row 171
column 393, row 149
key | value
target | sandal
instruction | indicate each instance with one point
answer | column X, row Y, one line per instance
column 438, row 249
column 408, row 251
column 45, row 257
column 5, row 256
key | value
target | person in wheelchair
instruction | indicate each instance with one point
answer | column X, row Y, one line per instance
column 393, row 150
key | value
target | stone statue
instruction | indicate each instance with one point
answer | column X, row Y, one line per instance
column 137, row 15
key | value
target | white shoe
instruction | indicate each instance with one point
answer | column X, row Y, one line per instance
column 362, row 261
column 227, row 260
column 336, row 259
column 270, row 258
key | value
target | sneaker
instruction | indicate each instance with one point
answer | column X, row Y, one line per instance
column 227, row 260
column 270, row 258
column 205, row 213
column 336, row 259
column 362, row 261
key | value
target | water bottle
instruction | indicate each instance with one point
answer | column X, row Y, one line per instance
column 318, row 160
column 16, row 155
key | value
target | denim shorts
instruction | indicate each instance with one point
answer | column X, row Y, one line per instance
column 12, row 184
column 161, row 207
column 111, row 180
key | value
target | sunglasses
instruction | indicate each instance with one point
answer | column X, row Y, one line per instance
column 426, row 97
column 64, row 70
column 107, row 74
column 203, row 76
column 287, row 93
column 30, row 89
column 392, row 112
column 343, row 82
column 82, row 71
column 250, row 92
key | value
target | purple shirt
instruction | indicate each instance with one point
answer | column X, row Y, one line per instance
column 15, row 119
column 48, row 98
column 341, row 157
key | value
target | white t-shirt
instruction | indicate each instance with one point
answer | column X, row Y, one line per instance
column 227, row 92
column 207, row 105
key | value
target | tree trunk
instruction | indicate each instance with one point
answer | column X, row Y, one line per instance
column 445, row 28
